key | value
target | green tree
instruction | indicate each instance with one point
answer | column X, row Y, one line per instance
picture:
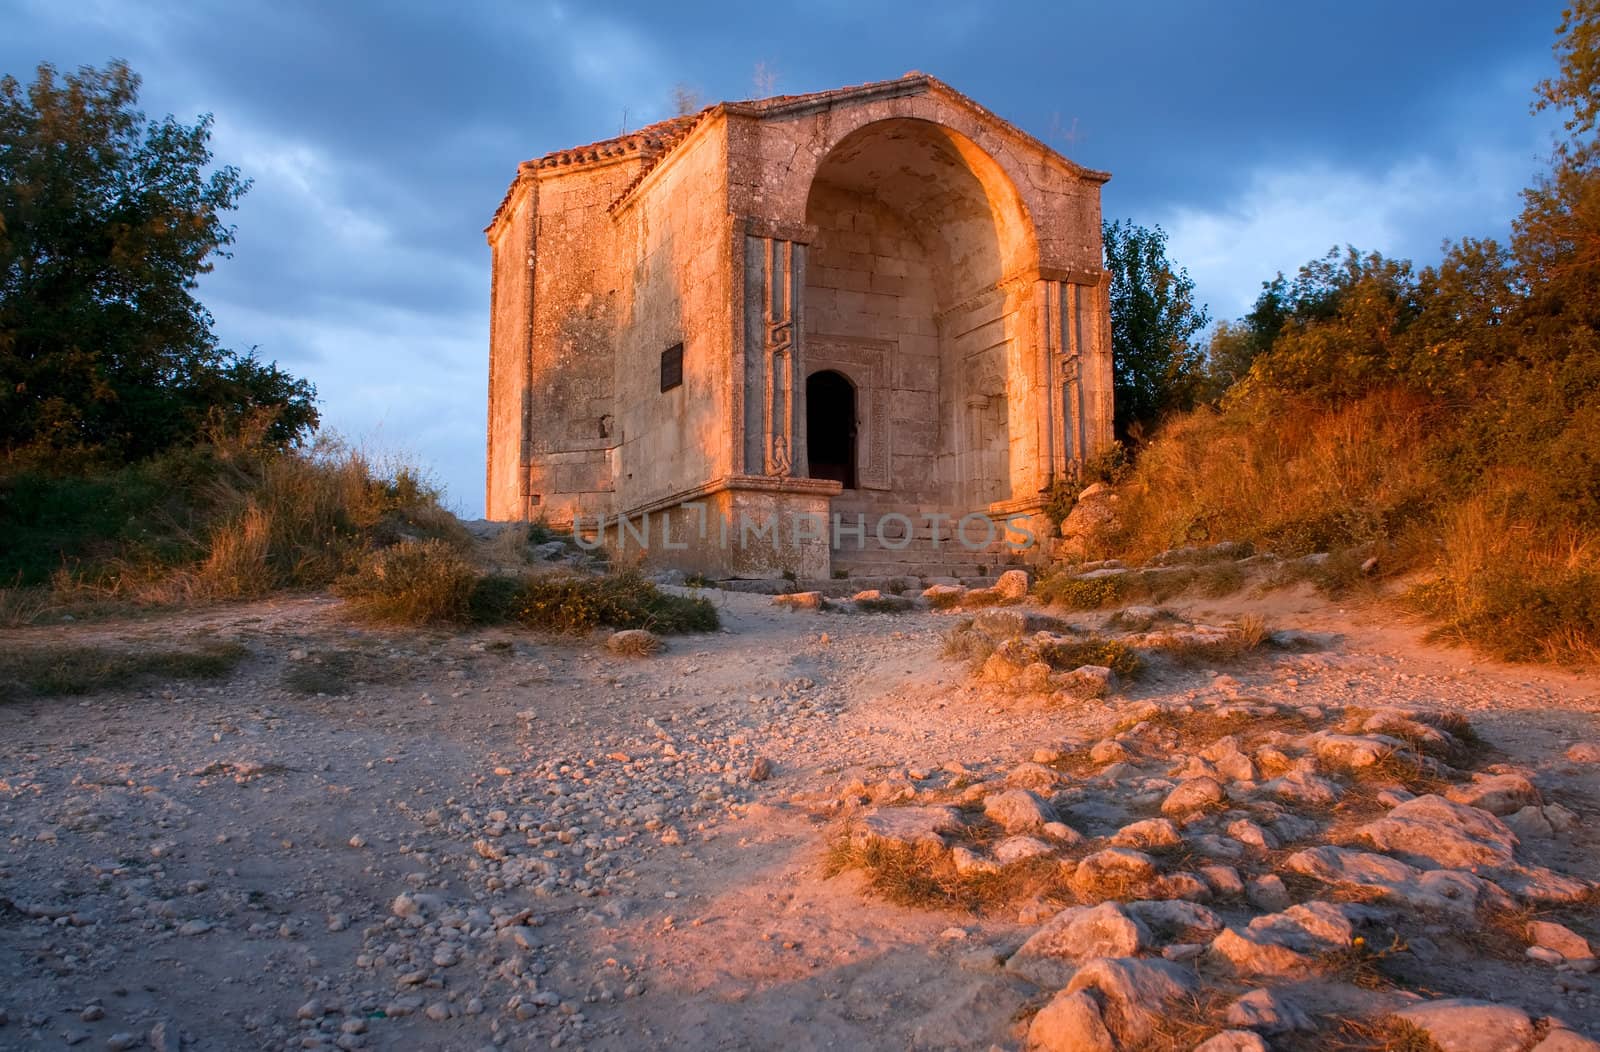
column 106, row 220
column 1336, row 330
column 1156, row 357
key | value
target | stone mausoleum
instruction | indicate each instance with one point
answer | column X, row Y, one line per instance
column 805, row 336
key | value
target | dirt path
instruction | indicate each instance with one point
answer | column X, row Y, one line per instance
column 484, row 839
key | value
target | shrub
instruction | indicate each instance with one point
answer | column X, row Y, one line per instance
column 1110, row 653
column 1082, row 593
column 1521, row 591
column 625, row 599
column 414, row 582
column 227, row 519
column 1294, row 476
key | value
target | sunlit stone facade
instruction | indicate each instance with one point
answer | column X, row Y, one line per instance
column 879, row 302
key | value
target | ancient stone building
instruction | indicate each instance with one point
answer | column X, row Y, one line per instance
column 880, row 309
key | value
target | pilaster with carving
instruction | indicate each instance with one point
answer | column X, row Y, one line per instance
column 774, row 280
column 1061, row 315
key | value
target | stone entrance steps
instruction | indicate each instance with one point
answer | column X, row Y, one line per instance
column 920, row 557
column 927, row 549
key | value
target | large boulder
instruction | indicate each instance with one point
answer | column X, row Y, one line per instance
column 1115, row 872
column 1268, row 1012
column 1498, row 794
column 1233, row 1041
column 1559, row 1040
column 1196, row 794
column 1462, row 1025
column 1560, row 938
column 1442, row 889
column 1076, row 934
column 1287, row 943
column 1018, row 810
column 905, row 826
column 1148, row 832
column 1137, row 990
column 1303, row 785
column 1436, row 833
column 1012, row 586
column 1174, row 920
column 1071, row 1022
column 1092, row 518
column 999, row 623
column 1014, row 849
column 1352, row 752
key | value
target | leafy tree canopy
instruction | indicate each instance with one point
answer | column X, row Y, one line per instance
column 1154, row 323
column 106, row 220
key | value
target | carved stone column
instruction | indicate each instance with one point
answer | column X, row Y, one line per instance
column 1065, row 311
column 774, row 274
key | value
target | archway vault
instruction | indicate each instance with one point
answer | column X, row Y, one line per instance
column 916, row 230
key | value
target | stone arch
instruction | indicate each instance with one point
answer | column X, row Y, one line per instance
column 1002, row 167
column 917, row 235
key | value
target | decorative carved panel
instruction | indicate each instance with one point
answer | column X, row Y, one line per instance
column 1064, row 317
column 774, row 276
column 869, row 365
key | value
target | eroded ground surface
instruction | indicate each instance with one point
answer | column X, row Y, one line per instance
column 488, row 838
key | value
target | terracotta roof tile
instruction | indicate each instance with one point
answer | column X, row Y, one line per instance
column 653, row 142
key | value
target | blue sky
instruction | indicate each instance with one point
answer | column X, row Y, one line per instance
column 381, row 136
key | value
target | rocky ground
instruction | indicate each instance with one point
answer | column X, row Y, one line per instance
column 385, row 839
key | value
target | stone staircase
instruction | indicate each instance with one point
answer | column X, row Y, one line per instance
column 920, row 554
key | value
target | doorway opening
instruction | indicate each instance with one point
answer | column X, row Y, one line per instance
column 831, row 427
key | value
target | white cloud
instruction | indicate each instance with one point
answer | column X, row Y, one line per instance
column 1285, row 217
column 621, row 69
column 395, row 382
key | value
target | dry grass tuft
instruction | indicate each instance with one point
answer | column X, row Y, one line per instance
column 1244, row 637
column 1519, row 589
column 225, row 520
column 1359, row 964
column 1092, row 650
column 924, row 876
column 1204, row 726
column 52, row 671
column 634, row 643
column 412, row 583
column 1400, row 767
column 1385, row 1034
column 623, row 599
column 963, row 644
column 22, row 606
column 1510, row 554
column 1182, row 1025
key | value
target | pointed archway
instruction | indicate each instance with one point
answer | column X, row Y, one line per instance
column 831, row 427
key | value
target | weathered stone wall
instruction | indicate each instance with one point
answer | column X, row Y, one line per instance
column 943, row 261
column 512, row 267
column 675, row 235
column 869, row 315
column 984, row 405
column 581, row 288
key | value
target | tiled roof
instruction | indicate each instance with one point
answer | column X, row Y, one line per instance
column 654, row 142
column 651, row 139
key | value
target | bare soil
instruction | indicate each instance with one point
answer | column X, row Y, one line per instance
column 588, row 863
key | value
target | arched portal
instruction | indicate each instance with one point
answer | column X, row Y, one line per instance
column 917, row 230
column 831, row 427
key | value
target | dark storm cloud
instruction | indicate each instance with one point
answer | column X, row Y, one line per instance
column 381, row 136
